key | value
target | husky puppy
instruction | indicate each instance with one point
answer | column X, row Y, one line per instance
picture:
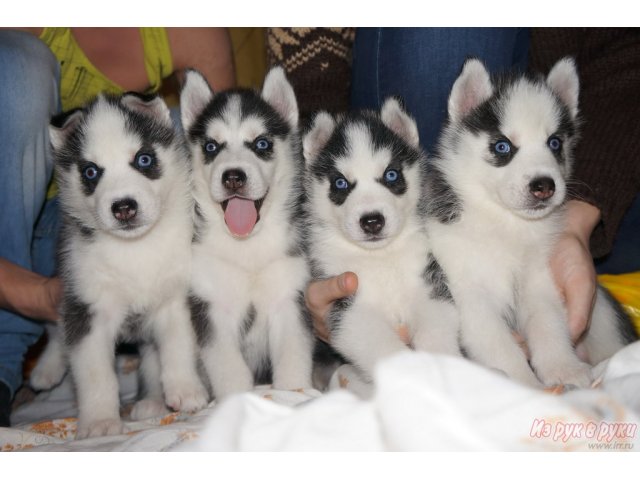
column 364, row 185
column 125, row 254
column 249, row 271
column 497, row 188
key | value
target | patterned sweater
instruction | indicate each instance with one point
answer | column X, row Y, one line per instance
column 607, row 158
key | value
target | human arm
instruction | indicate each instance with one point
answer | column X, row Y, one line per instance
column 207, row 50
column 28, row 293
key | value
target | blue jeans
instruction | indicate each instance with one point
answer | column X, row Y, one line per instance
column 421, row 64
column 28, row 223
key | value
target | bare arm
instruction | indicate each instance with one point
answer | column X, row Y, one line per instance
column 28, row 293
column 208, row 50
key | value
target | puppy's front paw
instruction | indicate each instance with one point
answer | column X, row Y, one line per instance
column 148, row 408
column 577, row 374
column 187, row 399
column 99, row 428
column 48, row 373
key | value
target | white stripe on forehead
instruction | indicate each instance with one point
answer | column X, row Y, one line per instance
column 106, row 138
column 362, row 161
column 232, row 127
column 529, row 111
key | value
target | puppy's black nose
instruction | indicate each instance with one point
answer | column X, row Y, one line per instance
column 542, row 188
column 372, row 223
column 234, row 180
column 125, row 209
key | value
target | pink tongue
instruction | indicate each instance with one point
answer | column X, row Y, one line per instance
column 241, row 216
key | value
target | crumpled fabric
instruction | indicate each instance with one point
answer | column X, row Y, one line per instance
column 426, row 402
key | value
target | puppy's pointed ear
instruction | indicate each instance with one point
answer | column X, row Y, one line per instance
column 150, row 105
column 278, row 92
column 62, row 126
column 318, row 136
column 471, row 88
column 194, row 97
column 398, row 121
column 564, row 82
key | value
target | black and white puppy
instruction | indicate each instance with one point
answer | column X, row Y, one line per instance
column 364, row 187
column 125, row 255
column 497, row 190
column 249, row 271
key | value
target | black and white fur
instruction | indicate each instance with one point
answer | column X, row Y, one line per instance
column 497, row 189
column 248, row 281
column 125, row 256
column 364, row 186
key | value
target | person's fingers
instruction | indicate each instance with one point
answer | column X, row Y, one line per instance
column 322, row 293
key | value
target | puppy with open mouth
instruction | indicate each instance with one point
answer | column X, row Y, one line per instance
column 249, row 271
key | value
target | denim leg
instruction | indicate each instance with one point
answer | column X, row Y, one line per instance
column 625, row 254
column 421, row 64
column 28, row 98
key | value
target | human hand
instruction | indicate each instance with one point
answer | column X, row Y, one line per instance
column 572, row 266
column 321, row 294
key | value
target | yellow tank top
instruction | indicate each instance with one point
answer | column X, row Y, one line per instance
column 80, row 81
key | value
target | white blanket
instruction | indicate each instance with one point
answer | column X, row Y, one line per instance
column 421, row 402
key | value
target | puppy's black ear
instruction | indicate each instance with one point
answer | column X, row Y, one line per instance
column 62, row 125
column 278, row 92
column 471, row 88
column 194, row 97
column 150, row 105
column 399, row 122
column 318, row 136
column 563, row 80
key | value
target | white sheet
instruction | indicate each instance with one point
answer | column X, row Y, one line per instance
column 421, row 402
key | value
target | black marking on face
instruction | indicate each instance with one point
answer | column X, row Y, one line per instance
column 262, row 147
column 90, row 175
column 337, row 192
column 501, row 151
column 202, row 325
column 435, row 277
column 381, row 138
column 77, row 318
column 395, row 183
column 249, row 321
column 148, row 129
column 251, row 105
column 442, row 202
column 146, row 162
column 211, row 149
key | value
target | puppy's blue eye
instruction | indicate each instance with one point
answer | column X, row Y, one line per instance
column 502, row 147
column 262, row 144
column 144, row 160
column 554, row 143
column 341, row 183
column 90, row 172
column 211, row 146
column 391, row 175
